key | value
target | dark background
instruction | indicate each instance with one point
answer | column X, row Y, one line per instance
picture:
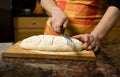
column 9, row 9
column 6, row 27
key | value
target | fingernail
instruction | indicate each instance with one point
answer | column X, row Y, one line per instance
column 73, row 36
column 89, row 48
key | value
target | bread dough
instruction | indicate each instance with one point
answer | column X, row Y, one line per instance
column 50, row 43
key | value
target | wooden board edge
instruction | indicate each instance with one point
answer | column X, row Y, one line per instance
column 8, row 53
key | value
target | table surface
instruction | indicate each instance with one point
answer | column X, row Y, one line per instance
column 105, row 65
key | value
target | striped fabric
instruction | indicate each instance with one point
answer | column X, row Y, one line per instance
column 83, row 15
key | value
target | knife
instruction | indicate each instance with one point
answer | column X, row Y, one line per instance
column 69, row 41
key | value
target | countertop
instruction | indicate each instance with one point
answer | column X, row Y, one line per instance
column 106, row 65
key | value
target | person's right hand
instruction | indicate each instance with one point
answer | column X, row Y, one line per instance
column 58, row 19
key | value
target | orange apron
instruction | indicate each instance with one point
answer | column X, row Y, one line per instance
column 84, row 15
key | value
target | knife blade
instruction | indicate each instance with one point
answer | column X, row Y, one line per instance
column 69, row 41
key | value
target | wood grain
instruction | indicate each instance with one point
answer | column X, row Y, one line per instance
column 16, row 51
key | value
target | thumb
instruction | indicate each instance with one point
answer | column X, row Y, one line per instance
column 79, row 37
column 66, row 23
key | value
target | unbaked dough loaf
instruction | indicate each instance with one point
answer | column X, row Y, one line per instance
column 50, row 43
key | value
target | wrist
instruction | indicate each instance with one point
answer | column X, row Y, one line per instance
column 51, row 11
column 57, row 12
column 95, row 35
column 54, row 10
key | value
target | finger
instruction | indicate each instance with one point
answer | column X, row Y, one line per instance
column 91, row 38
column 92, row 42
column 85, row 46
column 57, row 26
column 96, row 48
column 58, row 29
column 54, row 25
column 79, row 37
column 92, row 45
column 86, row 38
column 66, row 23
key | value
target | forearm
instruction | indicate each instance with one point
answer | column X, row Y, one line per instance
column 106, row 23
column 49, row 6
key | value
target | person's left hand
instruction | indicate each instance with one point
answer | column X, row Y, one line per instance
column 90, row 42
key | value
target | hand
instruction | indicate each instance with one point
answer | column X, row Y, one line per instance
column 58, row 19
column 90, row 42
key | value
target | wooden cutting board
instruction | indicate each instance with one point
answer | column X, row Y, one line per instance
column 16, row 51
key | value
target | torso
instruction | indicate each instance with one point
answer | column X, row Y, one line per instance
column 84, row 15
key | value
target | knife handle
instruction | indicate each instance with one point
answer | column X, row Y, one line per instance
column 62, row 30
